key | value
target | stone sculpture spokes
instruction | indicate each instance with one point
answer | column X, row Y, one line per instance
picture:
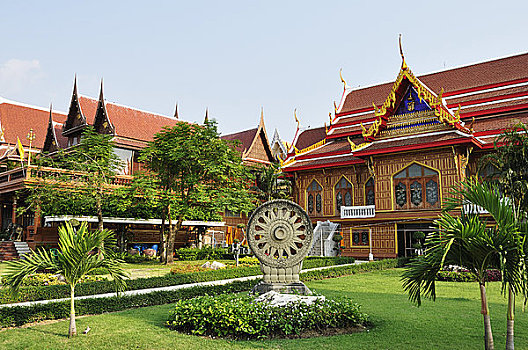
column 280, row 235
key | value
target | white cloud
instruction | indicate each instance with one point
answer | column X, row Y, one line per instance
column 16, row 75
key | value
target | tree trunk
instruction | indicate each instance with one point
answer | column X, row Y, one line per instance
column 488, row 335
column 162, row 239
column 510, row 345
column 169, row 242
column 73, row 327
column 99, row 208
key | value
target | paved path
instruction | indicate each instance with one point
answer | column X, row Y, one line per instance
column 179, row 286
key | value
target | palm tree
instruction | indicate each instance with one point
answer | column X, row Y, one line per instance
column 468, row 241
column 77, row 257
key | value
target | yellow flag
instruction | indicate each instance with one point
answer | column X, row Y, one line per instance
column 20, row 148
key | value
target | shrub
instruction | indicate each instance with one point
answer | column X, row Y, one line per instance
column 240, row 317
column 20, row 315
column 136, row 258
column 467, row 276
column 50, row 279
column 31, row 293
column 205, row 253
column 248, row 260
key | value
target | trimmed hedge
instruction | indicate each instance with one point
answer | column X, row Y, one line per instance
column 466, row 276
column 19, row 315
column 101, row 287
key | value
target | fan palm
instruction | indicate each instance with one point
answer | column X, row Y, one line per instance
column 76, row 257
column 468, row 241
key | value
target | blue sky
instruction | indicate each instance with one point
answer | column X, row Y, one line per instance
column 235, row 57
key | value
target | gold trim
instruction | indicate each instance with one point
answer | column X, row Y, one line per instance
column 396, row 238
column 309, row 148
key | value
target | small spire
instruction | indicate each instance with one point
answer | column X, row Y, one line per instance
column 176, row 112
column 296, row 119
column 261, row 115
column 75, row 84
column 101, row 91
column 404, row 65
column 342, row 80
column 50, row 116
column 206, row 119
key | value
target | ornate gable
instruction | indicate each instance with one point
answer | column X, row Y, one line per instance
column 76, row 119
column 50, row 144
column 102, row 123
column 411, row 108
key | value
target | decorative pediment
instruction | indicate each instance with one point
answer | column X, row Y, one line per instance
column 411, row 104
column 102, row 122
column 76, row 119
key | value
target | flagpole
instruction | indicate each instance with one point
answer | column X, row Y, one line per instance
column 30, row 136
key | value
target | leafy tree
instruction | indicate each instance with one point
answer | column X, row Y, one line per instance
column 270, row 185
column 84, row 186
column 468, row 241
column 75, row 259
column 199, row 174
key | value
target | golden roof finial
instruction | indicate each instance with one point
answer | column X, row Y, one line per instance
column 326, row 128
column 342, row 80
column 352, row 144
column 330, row 117
column 404, row 65
column 296, row 119
column 335, row 107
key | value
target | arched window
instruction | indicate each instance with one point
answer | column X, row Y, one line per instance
column 343, row 194
column 314, row 195
column 416, row 187
column 369, row 192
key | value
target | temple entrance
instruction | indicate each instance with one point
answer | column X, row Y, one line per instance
column 411, row 238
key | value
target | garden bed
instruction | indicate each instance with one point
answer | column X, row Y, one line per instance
column 242, row 317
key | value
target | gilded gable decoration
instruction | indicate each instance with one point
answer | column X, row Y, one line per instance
column 416, row 98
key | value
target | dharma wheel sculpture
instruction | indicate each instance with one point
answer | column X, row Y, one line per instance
column 280, row 234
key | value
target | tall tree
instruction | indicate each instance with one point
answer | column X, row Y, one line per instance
column 270, row 185
column 468, row 241
column 74, row 260
column 200, row 175
column 81, row 185
column 510, row 164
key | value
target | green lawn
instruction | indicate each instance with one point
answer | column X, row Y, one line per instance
column 452, row 322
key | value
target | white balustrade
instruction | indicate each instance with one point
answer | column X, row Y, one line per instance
column 357, row 212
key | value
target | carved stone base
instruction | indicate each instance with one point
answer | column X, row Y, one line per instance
column 287, row 288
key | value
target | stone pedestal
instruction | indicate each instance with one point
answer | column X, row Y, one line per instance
column 281, row 280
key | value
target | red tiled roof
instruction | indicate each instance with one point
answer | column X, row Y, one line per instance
column 463, row 78
column 61, row 140
column 136, row 124
column 309, row 137
column 88, row 108
column 17, row 119
column 245, row 137
column 425, row 140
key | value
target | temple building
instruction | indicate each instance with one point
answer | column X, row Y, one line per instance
column 390, row 153
column 255, row 150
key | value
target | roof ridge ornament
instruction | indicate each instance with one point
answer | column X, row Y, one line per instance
column 296, row 119
column 345, row 86
column 403, row 65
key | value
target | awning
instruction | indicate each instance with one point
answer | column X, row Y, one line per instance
column 63, row 218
